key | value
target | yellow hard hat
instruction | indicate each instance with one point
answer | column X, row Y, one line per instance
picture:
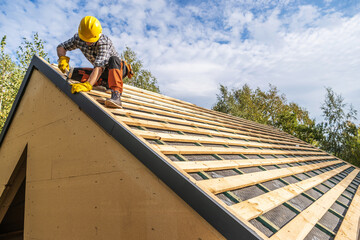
column 90, row 29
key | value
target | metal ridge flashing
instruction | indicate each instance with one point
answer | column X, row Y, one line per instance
column 221, row 219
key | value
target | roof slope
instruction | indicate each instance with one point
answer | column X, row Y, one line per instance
column 248, row 180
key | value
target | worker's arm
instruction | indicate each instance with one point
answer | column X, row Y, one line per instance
column 61, row 51
column 63, row 62
column 95, row 75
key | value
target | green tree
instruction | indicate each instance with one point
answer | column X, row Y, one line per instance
column 142, row 78
column 340, row 135
column 9, row 75
column 28, row 49
column 12, row 71
column 267, row 107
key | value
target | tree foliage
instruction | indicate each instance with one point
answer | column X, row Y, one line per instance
column 267, row 107
column 8, row 81
column 340, row 135
column 337, row 134
column 12, row 71
column 142, row 78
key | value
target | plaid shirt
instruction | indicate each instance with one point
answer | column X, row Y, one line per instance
column 98, row 53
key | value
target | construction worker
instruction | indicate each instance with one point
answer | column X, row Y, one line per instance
column 100, row 51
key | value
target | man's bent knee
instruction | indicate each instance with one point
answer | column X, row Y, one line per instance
column 114, row 62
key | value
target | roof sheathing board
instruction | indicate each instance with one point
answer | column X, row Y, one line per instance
column 196, row 133
column 205, row 137
column 235, row 173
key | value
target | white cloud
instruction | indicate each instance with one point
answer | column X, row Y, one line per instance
column 192, row 78
column 266, row 31
column 306, row 15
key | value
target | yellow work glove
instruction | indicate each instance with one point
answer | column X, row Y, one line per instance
column 63, row 63
column 81, row 87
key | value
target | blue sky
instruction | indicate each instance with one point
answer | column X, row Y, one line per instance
column 191, row 47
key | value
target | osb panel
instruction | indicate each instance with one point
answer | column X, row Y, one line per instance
column 10, row 152
column 84, row 149
column 40, row 96
column 82, row 184
column 30, row 117
column 109, row 206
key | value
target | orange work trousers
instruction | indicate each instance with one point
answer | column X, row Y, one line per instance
column 112, row 77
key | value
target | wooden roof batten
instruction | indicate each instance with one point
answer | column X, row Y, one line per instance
column 188, row 114
column 220, row 114
column 233, row 172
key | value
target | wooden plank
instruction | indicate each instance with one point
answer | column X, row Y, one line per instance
column 220, row 185
column 349, row 228
column 131, row 113
column 173, row 101
column 211, row 140
column 302, row 224
column 151, row 110
column 198, row 166
column 260, row 139
column 211, row 113
column 242, row 122
column 167, row 113
column 181, row 121
column 246, row 126
column 157, row 96
column 160, row 101
column 165, row 108
column 173, row 127
column 255, row 207
column 213, row 124
column 168, row 149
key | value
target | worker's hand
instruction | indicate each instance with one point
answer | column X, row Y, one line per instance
column 63, row 63
column 81, row 87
